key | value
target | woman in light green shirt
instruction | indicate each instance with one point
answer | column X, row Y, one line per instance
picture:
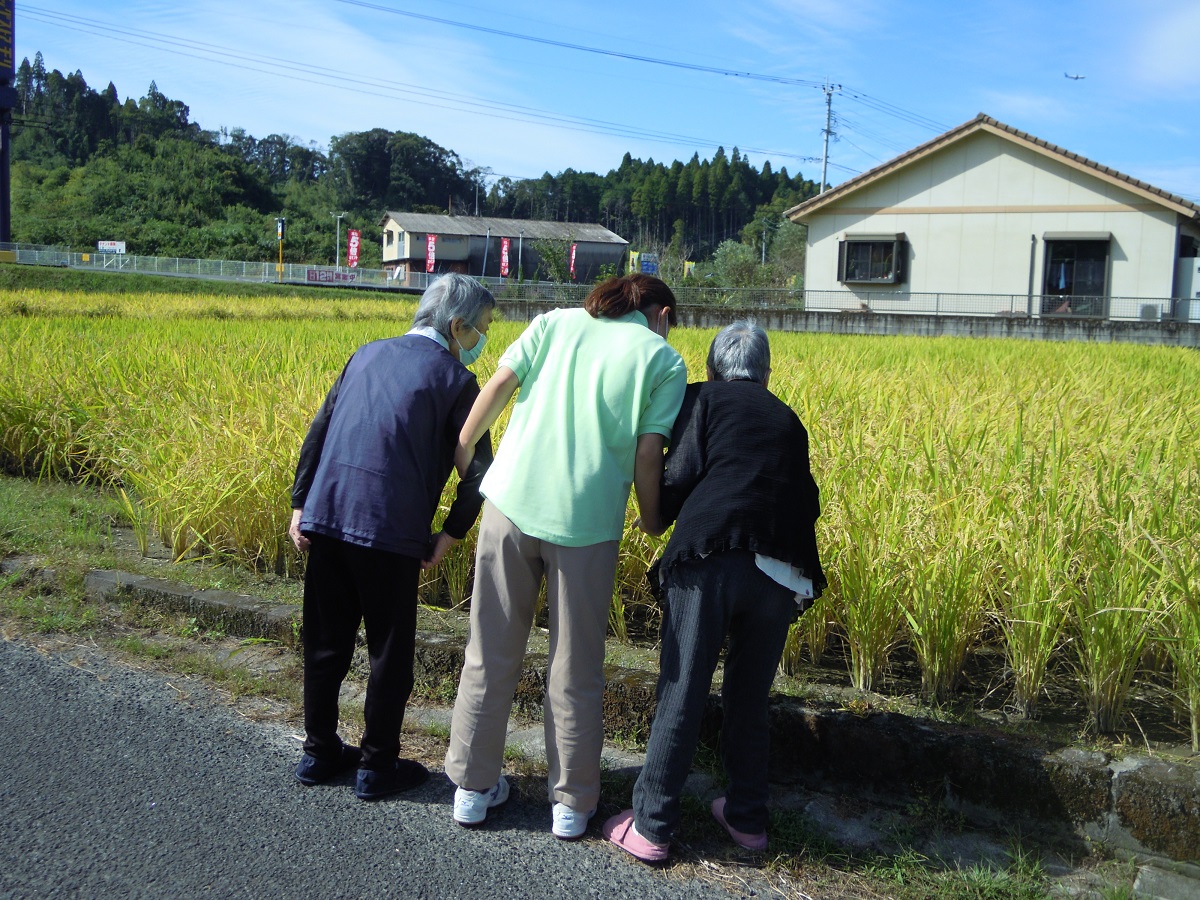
column 599, row 389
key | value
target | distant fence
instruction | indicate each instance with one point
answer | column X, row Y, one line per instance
column 1016, row 306
column 1128, row 309
column 214, row 269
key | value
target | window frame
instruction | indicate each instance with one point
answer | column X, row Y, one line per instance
column 1071, row 300
column 894, row 244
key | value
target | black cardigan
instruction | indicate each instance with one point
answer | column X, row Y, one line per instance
column 737, row 476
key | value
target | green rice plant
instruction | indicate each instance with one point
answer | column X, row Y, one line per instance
column 811, row 630
column 632, row 595
column 137, row 520
column 864, row 579
column 457, row 569
column 1033, row 608
column 1113, row 618
column 945, row 613
column 617, row 623
column 1177, row 565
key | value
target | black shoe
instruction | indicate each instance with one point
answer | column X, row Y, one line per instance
column 375, row 784
column 317, row 771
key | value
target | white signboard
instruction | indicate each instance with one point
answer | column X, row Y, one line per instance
column 110, row 246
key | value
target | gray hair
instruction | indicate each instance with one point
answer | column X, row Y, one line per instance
column 740, row 352
column 450, row 297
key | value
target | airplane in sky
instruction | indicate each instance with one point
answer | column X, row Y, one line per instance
column 1074, row 77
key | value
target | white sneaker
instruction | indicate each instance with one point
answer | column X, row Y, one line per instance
column 570, row 823
column 471, row 807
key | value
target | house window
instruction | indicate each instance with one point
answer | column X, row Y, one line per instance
column 390, row 236
column 872, row 259
column 1075, row 276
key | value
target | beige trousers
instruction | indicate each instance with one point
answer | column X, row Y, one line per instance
column 509, row 568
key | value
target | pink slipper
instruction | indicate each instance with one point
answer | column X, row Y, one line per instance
column 749, row 841
column 619, row 829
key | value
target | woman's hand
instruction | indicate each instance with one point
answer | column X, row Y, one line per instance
column 652, row 528
column 442, row 542
column 302, row 543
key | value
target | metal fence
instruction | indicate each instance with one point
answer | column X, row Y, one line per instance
column 214, row 269
column 841, row 301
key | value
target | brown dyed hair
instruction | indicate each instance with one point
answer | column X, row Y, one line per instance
column 617, row 297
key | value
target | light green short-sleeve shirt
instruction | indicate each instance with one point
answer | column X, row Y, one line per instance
column 589, row 388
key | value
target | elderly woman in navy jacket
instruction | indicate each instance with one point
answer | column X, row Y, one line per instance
column 742, row 562
column 367, row 486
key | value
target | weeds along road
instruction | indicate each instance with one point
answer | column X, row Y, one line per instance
column 116, row 783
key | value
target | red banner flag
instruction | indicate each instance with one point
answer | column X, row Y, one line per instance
column 430, row 251
column 573, row 246
column 504, row 243
column 352, row 239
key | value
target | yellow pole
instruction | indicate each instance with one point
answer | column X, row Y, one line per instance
column 279, row 224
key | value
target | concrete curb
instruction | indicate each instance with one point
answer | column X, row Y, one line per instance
column 1144, row 807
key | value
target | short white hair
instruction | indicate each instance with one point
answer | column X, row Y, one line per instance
column 453, row 296
column 740, row 352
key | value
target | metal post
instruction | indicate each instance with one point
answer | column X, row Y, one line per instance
column 337, row 241
column 5, row 179
column 8, row 100
column 1032, row 258
column 487, row 240
column 520, row 258
column 280, row 224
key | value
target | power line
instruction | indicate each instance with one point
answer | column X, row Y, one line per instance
column 333, row 78
column 867, row 100
column 694, row 67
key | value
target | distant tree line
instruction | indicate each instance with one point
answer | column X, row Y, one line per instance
column 88, row 166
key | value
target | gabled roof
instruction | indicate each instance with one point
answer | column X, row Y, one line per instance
column 477, row 226
column 986, row 123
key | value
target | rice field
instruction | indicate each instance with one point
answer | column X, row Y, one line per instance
column 1035, row 500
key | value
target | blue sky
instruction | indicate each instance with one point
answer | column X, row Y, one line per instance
column 476, row 84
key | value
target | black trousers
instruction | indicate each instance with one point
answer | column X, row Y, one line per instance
column 345, row 584
column 707, row 600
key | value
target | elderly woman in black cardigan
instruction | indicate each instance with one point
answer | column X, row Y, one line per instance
column 742, row 562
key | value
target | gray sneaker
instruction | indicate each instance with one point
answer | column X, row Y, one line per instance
column 471, row 807
column 570, row 823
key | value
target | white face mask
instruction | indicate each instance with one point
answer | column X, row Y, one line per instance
column 465, row 356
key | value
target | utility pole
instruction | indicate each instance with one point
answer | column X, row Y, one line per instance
column 337, row 241
column 829, row 90
column 8, row 100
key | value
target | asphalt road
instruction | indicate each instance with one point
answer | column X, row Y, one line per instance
column 115, row 784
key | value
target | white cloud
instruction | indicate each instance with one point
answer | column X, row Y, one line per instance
column 1023, row 111
column 1164, row 53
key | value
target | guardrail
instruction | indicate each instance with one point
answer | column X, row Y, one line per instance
column 841, row 301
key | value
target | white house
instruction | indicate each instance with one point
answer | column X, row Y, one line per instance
column 993, row 220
